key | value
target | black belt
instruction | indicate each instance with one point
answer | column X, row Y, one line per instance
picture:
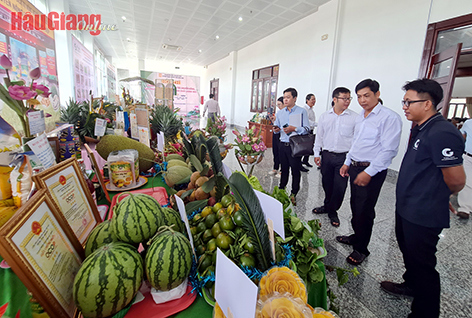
column 468, row 154
column 286, row 144
column 335, row 153
column 360, row 163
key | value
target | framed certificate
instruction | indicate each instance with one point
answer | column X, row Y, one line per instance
column 96, row 168
column 44, row 253
column 70, row 192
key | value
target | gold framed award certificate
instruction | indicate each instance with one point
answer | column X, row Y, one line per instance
column 68, row 188
column 44, row 253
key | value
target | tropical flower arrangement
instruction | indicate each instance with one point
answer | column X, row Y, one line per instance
column 217, row 128
column 14, row 93
column 248, row 144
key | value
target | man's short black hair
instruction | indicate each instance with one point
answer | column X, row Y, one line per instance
column 308, row 97
column 370, row 83
column 339, row 90
column 280, row 99
column 292, row 91
column 427, row 87
column 212, row 95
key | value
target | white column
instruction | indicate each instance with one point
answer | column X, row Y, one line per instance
column 63, row 54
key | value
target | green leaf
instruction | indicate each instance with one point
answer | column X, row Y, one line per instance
column 189, row 150
column 196, row 163
column 213, row 145
column 221, row 186
column 208, row 186
column 186, row 194
column 195, row 205
column 205, row 170
column 253, row 218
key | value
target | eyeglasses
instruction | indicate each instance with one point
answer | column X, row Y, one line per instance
column 345, row 98
column 408, row 102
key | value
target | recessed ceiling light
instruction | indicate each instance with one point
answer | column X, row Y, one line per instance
column 199, row 51
column 123, row 18
column 128, row 39
column 240, row 19
column 217, row 37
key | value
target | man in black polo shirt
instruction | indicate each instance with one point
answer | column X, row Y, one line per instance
column 430, row 172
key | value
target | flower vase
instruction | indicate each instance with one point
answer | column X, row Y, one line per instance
column 250, row 161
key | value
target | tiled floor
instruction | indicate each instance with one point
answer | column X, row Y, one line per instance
column 361, row 296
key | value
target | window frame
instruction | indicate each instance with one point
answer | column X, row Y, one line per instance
column 259, row 96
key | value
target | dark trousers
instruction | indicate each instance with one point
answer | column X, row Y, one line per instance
column 418, row 246
column 212, row 116
column 363, row 201
column 275, row 150
column 334, row 185
column 305, row 158
column 289, row 163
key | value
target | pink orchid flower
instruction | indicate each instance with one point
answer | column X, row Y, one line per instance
column 245, row 139
column 237, row 133
column 5, row 62
column 21, row 92
column 255, row 147
column 262, row 146
column 35, row 73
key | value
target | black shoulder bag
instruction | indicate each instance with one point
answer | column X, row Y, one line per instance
column 302, row 145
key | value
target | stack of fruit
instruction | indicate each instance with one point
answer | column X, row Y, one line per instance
column 113, row 270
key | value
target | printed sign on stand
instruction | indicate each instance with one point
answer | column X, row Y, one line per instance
column 133, row 121
column 42, row 150
column 36, row 122
column 100, row 127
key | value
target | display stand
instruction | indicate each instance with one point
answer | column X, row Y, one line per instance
column 266, row 132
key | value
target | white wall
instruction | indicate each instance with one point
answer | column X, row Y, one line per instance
column 382, row 40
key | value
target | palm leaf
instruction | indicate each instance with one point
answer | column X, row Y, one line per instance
column 213, row 145
column 254, row 221
column 189, row 150
column 137, row 78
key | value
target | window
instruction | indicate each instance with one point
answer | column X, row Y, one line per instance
column 264, row 88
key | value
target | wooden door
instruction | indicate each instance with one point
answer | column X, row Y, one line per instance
column 442, row 68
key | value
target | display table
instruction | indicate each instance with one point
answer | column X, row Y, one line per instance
column 15, row 294
column 266, row 132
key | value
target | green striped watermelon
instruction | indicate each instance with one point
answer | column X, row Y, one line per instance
column 136, row 218
column 172, row 217
column 168, row 260
column 108, row 280
column 102, row 234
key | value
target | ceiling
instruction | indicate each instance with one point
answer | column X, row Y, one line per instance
column 192, row 25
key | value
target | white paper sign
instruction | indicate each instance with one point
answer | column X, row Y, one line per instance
column 36, row 122
column 227, row 172
column 43, row 150
column 160, row 141
column 144, row 136
column 273, row 210
column 100, row 127
column 183, row 216
column 133, row 121
column 233, row 288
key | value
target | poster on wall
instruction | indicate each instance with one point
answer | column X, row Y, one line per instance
column 187, row 96
column 83, row 71
column 111, row 81
column 28, row 50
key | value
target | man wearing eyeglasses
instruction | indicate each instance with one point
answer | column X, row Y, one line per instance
column 431, row 171
column 333, row 140
column 375, row 144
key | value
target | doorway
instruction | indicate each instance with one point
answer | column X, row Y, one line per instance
column 448, row 52
column 214, row 87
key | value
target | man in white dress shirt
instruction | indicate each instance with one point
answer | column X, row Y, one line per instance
column 375, row 144
column 213, row 108
column 309, row 106
column 333, row 140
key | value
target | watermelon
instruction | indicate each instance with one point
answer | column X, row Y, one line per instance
column 108, row 280
column 136, row 218
column 168, row 260
column 102, row 234
column 172, row 217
